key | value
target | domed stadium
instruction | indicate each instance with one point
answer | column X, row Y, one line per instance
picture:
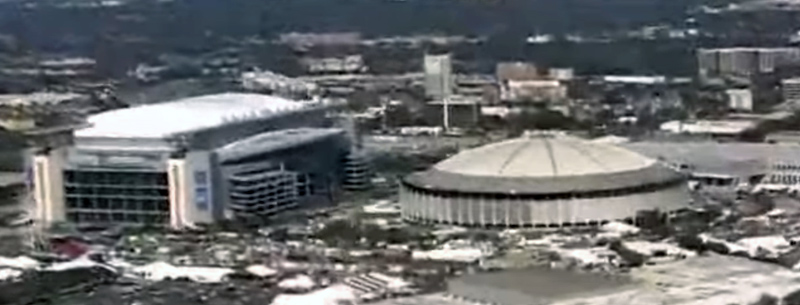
column 542, row 180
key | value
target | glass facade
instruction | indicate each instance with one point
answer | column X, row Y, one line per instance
column 116, row 196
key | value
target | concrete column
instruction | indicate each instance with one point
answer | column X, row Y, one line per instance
column 190, row 190
column 48, row 186
column 176, row 176
column 471, row 202
column 508, row 211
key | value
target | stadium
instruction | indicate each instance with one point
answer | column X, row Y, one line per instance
column 543, row 180
column 190, row 161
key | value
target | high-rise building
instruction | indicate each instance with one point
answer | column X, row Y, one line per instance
column 438, row 76
column 740, row 99
column 744, row 62
column 707, row 61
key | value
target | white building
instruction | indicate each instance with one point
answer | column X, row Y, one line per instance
column 562, row 74
column 190, row 161
column 346, row 64
column 740, row 99
column 533, row 90
column 506, row 71
column 439, row 81
column 744, row 62
column 709, row 127
column 267, row 81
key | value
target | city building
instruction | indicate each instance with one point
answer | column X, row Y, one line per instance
column 57, row 71
column 190, row 161
column 542, row 180
column 439, row 80
column 28, row 111
column 320, row 39
column 277, row 84
column 507, row 71
column 635, row 79
column 70, row 67
column 334, row 65
column 477, row 85
column 790, row 90
column 740, row 99
column 457, row 111
column 744, row 62
column 533, row 90
column 561, row 74
column 711, row 128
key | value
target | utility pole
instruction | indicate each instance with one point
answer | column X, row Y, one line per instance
column 446, row 112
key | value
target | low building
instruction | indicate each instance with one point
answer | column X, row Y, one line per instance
column 346, row 64
column 783, row 137
column 713, row 128
column 516, row 71
column 533, row 90
column 635, row 79
column 740, row 99
column 477, row 85
column 729, row 166
column 27, row 111
column 273, row 83
column 561, row 74
column 457, row 111
column 320, row 39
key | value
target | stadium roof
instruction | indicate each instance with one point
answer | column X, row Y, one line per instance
column 185, row 115
column 544, row 156
column 543, row 165
column 273, row 141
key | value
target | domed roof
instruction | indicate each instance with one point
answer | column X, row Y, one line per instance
column 544, row 164
column 544, row 155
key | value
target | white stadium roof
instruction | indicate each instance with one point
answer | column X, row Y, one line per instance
column 185, row 115
column 544, row 156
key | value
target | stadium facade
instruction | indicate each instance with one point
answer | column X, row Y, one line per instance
column 542, row 180
column 190, row 161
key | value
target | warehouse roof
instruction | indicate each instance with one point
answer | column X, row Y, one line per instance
column 185, row 115
column 707, row 154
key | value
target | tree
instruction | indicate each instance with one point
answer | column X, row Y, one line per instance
column 767, row 299
column 361, row 99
